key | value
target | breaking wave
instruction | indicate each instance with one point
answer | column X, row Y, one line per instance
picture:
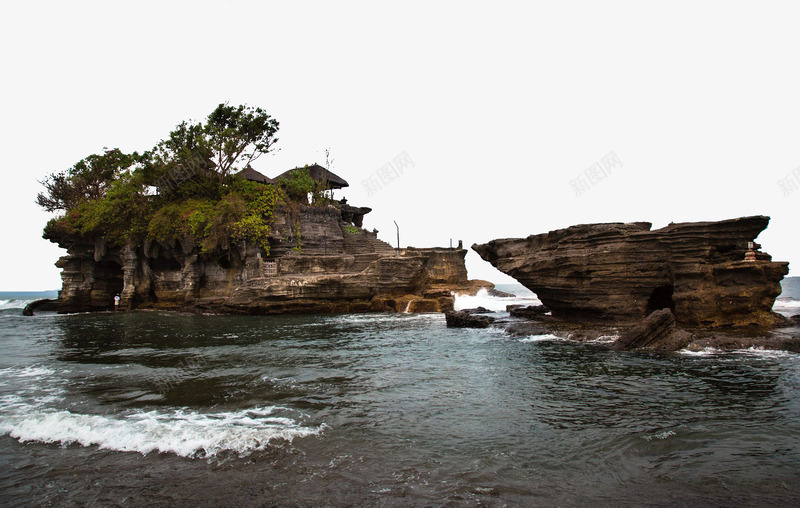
column 183, row 432
column 28, row 416
column 541, row 338
column 13, row 303
column 787, row 303
column 493, row 303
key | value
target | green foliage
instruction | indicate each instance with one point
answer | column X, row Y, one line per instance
column 260, row 202
column 245, row 213
column 319, row 196
column 299, row 246
column 181, row 220
column 121, row 215
column 181, row 166
column 218, row 229
column 195, row 160
column 298, row 185
column 88, row 179
column 105, row 195
column 237, row 136
column 352, row 230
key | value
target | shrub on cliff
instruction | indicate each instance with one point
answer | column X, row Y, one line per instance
column 107, row 195
column 261, row 202
column 298, row 185
column 245, row 212
column 88, row 179
column 120, row 215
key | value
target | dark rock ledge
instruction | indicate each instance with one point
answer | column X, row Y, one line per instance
column 46, row 305
column 467, row 319
column 657, row 333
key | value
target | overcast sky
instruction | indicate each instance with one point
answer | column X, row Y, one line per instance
column 501, row 106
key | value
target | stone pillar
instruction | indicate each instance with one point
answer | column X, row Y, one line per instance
column 189, row 274
column 130, row 264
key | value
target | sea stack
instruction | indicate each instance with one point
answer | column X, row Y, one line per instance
column 709, row 274
column 320, row 260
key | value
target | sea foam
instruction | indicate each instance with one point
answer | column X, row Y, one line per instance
column 13, row 303
column 787, row 303
column 186, row 433
column 493, row 303
column 540, row 338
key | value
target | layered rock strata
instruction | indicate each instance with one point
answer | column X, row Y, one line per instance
column 626, row 271
column 334, row 266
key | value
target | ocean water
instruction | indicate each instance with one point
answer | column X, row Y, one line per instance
column 788, row 303
column 380, row 409
column 19, row 299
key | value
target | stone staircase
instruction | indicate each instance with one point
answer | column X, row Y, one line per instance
column 362, row 261
column 365, row 247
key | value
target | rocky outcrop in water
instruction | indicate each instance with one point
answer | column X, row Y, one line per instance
column 707, row 273
column 465, row 319
column 335, row 266
column 527, row 311
column 43, row 305
column 657, row 333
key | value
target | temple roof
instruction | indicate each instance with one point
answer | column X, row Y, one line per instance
column 251, row 174
column 320, row 173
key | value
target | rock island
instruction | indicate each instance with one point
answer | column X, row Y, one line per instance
column 190, row 225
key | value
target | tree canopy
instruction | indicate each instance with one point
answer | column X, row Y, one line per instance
column 106, row 194
column 195, row 159
column 88, row 179
column 237, row 136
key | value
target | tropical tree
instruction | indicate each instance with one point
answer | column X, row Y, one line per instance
column 88, row 179
column 237, row 136
column 197, row 158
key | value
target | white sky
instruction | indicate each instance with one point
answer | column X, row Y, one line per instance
column 499, row 104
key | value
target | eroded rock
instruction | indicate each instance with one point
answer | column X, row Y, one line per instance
column 477, row 310
column 340, row 268
column 46, row 305
column 625, row 271
column 462, row 319
column 527, row 311
column 657, row 332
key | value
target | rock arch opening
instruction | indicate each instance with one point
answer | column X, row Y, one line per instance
column 661, row 298
column 109, row 280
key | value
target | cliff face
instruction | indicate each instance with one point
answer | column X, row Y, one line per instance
column 339, row 268
column 601, row 271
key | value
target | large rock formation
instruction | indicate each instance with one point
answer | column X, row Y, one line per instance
column 601, row 271
column 333, row 266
